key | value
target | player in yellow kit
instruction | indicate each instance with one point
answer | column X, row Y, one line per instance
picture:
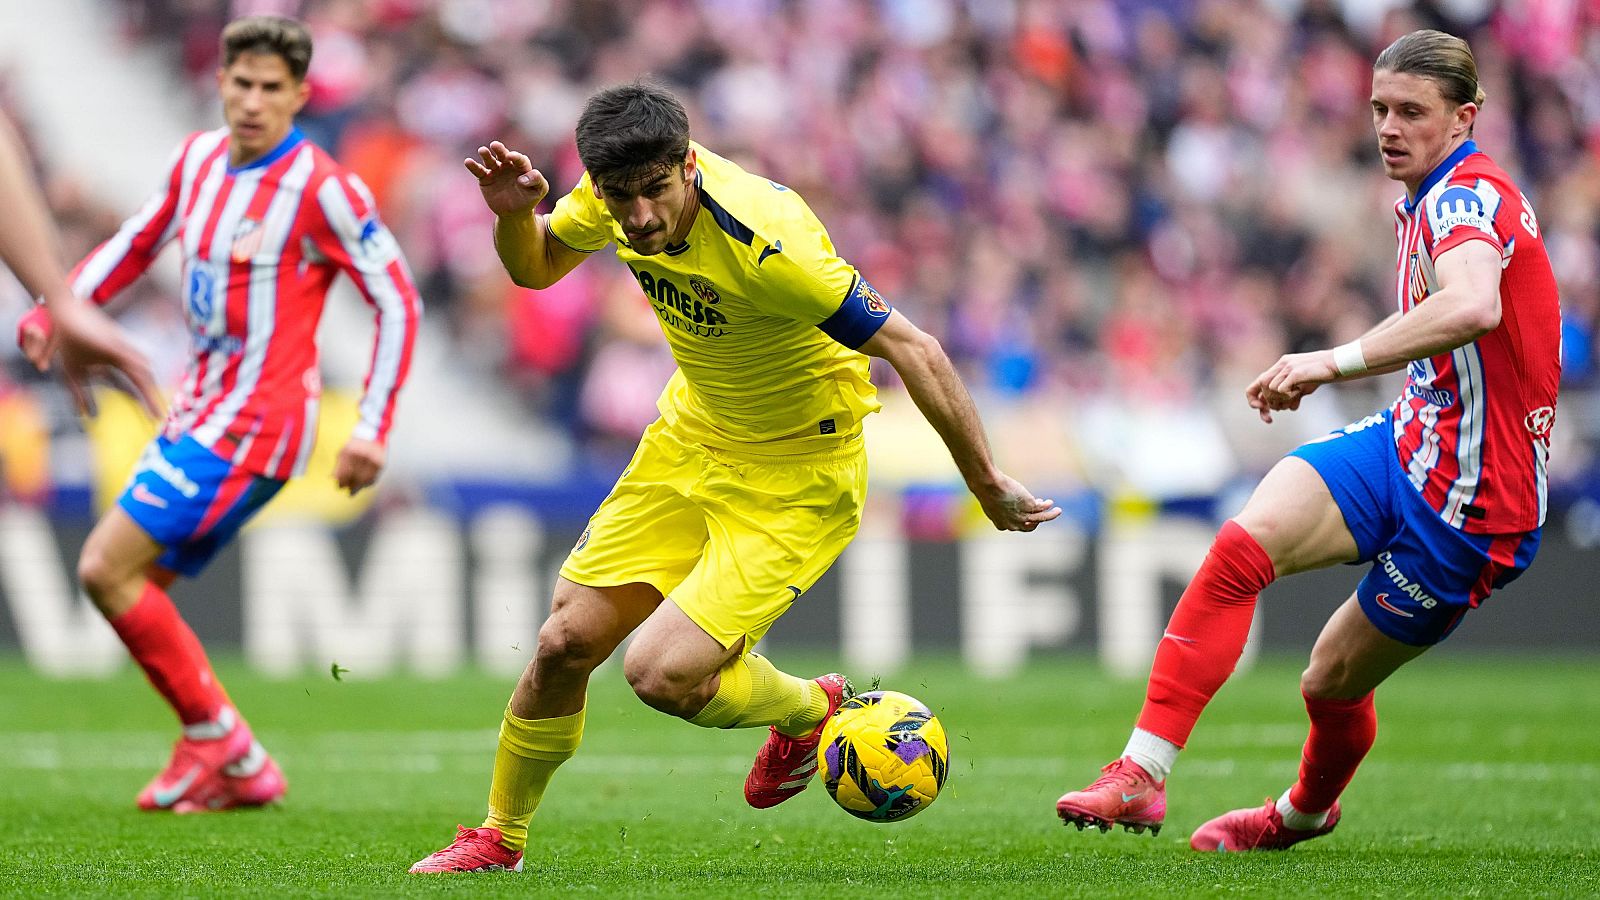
column 750, row 484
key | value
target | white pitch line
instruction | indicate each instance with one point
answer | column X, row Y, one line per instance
column 406, row 752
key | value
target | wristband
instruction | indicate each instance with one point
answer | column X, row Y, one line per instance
column 38, row 316
column 1348, row 359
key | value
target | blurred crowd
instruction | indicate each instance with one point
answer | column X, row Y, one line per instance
column 1095, row 204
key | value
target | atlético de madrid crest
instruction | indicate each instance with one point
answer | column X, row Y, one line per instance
column 246, row 240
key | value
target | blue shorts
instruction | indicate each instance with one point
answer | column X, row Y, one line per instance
column 1425, row 574
column 191, row 501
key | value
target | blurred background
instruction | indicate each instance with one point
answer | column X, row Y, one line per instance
column 1113, row 214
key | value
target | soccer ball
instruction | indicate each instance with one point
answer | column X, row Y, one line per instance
column 884, row 756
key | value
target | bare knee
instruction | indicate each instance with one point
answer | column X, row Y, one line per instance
column 94, row 570
column 1329, row 679
column 661, row 688
column 565, row 643
column 111, row 585
column 1278, row 530
column 1263, row 524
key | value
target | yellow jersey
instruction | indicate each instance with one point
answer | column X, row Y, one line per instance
column 762, row 315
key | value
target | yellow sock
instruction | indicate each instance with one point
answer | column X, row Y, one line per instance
column 752, row 692
column 530, row 752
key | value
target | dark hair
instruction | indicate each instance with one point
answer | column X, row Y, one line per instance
column 281, row 37
column 632, row 130
column 1442, row 57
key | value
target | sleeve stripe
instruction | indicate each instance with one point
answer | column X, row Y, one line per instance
column 126, row 254
column 726, row 220
column 1461, row 236
column 391, row 292
column 552, row 232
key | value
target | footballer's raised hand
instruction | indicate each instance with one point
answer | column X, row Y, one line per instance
column 507, row 178
column 1012, row 507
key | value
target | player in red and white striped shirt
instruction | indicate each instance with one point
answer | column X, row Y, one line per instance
column 1472, row 428
column 265, row 221
column 1443, row 493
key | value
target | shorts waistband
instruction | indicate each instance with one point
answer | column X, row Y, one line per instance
column 849, row 448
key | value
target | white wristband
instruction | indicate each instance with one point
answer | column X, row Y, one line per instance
column 1348, row 359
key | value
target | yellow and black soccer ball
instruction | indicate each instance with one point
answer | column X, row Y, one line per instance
column 884, row 756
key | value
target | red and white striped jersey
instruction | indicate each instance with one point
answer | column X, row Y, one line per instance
column 261, row 245
column 1472, row 428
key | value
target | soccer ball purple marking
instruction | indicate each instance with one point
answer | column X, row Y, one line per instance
column 912, row 750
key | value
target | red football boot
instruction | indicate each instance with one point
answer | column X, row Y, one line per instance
column 473, row 850
column 1124, row 795
column 253, row 780
column 785, row 764
column 193, row 779
column 1257, row 828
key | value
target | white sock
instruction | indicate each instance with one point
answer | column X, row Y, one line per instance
column 1153, row 754
column 1299, row 821
column 249, row 764
column 220, row 727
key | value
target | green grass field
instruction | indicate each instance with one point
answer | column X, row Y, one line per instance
column 1485, row 782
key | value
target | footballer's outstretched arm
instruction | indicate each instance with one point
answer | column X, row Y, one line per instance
column 27, row 242
column 1465, row 308
column 88, row 340
column 512, row 187
column 937, row 390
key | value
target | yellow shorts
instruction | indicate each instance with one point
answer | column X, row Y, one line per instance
column 733, row 540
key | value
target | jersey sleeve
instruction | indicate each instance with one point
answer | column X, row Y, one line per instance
column 355, row 240
column 580, row 220
column 125, row 256
column 805, row 279
column 1465, row 212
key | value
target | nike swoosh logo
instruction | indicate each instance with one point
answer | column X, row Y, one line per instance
column 148, row 497
column 777, row 247
column 1182, row 640
column 1129, row 798
column 167, row 796
column 1382, row 600
column 797, row 591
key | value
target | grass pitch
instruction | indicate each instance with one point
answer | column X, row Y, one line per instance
column 1485, row 782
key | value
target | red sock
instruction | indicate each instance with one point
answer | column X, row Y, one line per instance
column 1342, row 731
column 171, row 656
column 1206, row 634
